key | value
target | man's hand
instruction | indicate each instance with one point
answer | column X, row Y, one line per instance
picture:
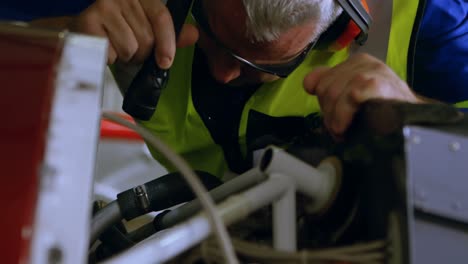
column 342, row 89
column 133, row 28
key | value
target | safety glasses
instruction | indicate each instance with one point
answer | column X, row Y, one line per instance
column 282, row 69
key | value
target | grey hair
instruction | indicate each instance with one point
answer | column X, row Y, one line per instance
column 267, row 19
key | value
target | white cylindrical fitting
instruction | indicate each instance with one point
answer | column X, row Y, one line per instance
column 169, row 243
column 284, row 218
column 320, row 183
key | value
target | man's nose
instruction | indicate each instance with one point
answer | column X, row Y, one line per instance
column 225, row 69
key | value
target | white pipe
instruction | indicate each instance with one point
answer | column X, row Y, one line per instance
column 236, row 185
column 284, row 219
column 319, row 184
column 163, row 247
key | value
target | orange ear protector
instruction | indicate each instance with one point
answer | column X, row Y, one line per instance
column 352, row 25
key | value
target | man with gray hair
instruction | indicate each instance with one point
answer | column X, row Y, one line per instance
column 247, row 70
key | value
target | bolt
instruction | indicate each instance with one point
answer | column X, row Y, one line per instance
column 49, row 175
column 140, row 192
column 456, row 205
column 421, row 195
column 455, row 146
column 85, row 86
column 26, row 232
column 55, row 255
column 47, row 170
column 416, row 139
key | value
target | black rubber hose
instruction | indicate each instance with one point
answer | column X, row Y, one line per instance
column 161, row 193
column 236, row 185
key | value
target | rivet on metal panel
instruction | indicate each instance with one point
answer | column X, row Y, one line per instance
column 55, row 255
column 26, row 232
column 420, row 195
column 48, row 174
column 85, row 86
column 456, row 205
column 416, row 139
column 455, row 146
column 47, row 169
column 407, row 132
column 63, row 34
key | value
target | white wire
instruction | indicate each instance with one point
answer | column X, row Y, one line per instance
column 370, row 252
column 191, row 178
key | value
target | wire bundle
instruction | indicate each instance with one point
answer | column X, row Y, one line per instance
column 370, row 253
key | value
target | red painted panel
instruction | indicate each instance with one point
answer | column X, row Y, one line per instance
column 28, row 65
column 111, row 130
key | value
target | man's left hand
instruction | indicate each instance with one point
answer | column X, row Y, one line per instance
column 342, row 89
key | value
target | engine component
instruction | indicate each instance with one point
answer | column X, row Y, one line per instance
column 51, row 99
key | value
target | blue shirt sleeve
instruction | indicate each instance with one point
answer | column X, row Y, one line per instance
column 441, row 51
column 26, row 10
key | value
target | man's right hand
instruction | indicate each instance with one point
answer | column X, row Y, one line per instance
column 133, row 28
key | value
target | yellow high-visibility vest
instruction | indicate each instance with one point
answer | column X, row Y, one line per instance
column 177, row 122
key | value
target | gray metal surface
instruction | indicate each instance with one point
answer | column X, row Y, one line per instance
column 438, row 167
column 438, row 243
column 63, row 213
column 437, row 170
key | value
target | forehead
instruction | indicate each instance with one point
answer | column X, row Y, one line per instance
column 227, row 19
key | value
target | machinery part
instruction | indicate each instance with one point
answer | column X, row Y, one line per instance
column 384, row 117
column 322, row 184
column 105, row 218
column 156, row 195
column 172, row 242
column 70, row 154
column 30, row 53
column 112, row 240
column 437, row 217
column 193, row 181
column 368, row 252
column 51, row 100
column 178, row 239
column 436, row 209
column 238, row 184
column 284, row 219
column 170, row 218
column 160, row 193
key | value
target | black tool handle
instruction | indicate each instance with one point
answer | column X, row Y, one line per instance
column 141, row 97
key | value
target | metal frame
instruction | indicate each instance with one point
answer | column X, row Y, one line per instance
column 286, row 174
column 61, row 229
column 437, row 180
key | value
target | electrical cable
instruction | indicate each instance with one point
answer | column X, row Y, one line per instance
column 236, row 185
column 104, row 218
column 161, row 193
column 170, row 218
column 354, row 253
column 369, row 252
column 206, row 201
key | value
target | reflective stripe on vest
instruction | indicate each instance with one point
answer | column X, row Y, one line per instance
column 179, row 125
